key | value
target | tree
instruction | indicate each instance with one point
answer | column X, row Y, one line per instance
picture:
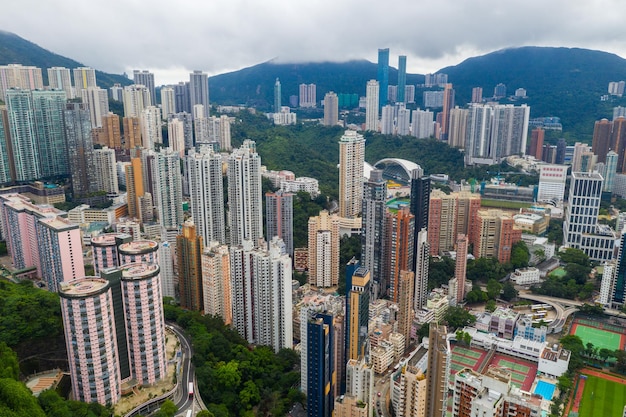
column 9, row 366
column 575, row 256
column 519, row 255
column 53, row 405
column 205, row 413
column 458, row 317
column 16, row 400
column 564, row 383
column 490, row 306
column 508, row 291
column 493, row 289
column 168, row 409
column 577, row 272
column 249, row 395
column 575, row 345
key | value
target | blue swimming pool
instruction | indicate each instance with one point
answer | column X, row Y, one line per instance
column 545, row 389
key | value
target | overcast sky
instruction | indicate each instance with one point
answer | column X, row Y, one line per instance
column 171, row 38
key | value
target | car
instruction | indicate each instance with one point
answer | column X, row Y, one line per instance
column 379, row 393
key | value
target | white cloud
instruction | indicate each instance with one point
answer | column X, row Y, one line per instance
column 173, row 38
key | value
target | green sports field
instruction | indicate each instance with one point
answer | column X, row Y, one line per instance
column 599, row 338
column 602, row 398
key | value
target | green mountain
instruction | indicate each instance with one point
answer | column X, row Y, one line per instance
column 16, row 50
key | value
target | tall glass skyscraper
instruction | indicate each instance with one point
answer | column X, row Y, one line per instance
column 383, row 76
column 401, row 79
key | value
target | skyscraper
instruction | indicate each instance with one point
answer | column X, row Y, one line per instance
column 22, row 132
column 386, row 120
column 279, row 218
column 168, row 101
column 7, row 166
column 496, row 233
column 134, row 187
column 97, row 101
column 245, row 208
column 324, row 250
column 189, row 248
column 48, row 109
column 59, row 79
column 609, row 171
column 308, row 95
column 477, row 95
column 204, row 173
column 199, row 90
column 151, row 132
column 168, row 188
column 320, row 363
column 421, row 261
column 460, row 267
column 398, row 251
column 448, row 104
column 331, row 109
column 438, row 370
column 96, row 379
column 536, row 143
column 80, row 149
column 420, row 198
column 351, row 159
column 357, row 313
column 216, row 282
column 422, row 126
column 405, row 305
column 136, row 97
column 383, row 75
column 277, row 96
column 374, row 199
column 146, row 78
column 401, row 79
column 105, row 170
column 372, row 103
column 19, row 76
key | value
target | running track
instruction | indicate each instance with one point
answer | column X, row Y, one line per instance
column 603, row 375
column 575, row 397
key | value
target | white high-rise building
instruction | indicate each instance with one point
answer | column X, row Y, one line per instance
column 176, row 136
column 151, row 132
column 351, row 159
column 19, row 76
column 106, row 170
column 146, row 78
column 168, row 188
column 360, row 380
column 136, row 97
column 458, row 127
column 422, row 126
column 98, row 101
column 204, row 173
column 84, row 77
column 552, row 180
column 387, row 119
column 608, row 283
column 403, row 121
column 371, row 105
column 331, row 109
column 245, row 204
column 581, row 229
column 308, row 96
column 166, row 262
column 261, row 289
column 168, row 101
column 59, row 79
column 324, row 250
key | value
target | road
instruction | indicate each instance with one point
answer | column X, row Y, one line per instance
column 187, row 375
column 382, row 386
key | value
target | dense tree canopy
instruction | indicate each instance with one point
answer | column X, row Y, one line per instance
column 458, row 317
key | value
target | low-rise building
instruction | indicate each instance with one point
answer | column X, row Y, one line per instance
column 526, row 276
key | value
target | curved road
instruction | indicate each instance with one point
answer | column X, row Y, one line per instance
column 186, row 375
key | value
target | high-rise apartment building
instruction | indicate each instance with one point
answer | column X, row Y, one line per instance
column 279, row 218
column 421, row 261
column 536, row 143
column 357, row 312
column 181, row 94
column 320, row 363
column 412, row 387
column 7, row 166
column 97, row 101
column 460, row 266
column 405, row 305
column 204, row 176
column 372, row 105
column 22, row 132
column 450, row 215
column 199, row 90
column 166, row 262
column 610, row 168
column 95, row 379
column 84, row 77
column 308, row 95
column 146, row 78
column 168, row 101
column 245, row 210
column 48, row 107
column 138, row 251
column 422, row 126
column 132, row 132
column 80, row 149
column 324, row 250
column 496, row 233
column 331, row 109
column 59, row 79
column 105, row 170
column 145, row 324
column 261, row 287
column 19, row 76
column 458, row 127
column 109, row 134
column 351, row 158
column 176, row 136
column 216, row 281
column 105, row 250
column 383, row 75
column 387, row 120
column 168, row 188
column 403, row 120
column 151, row 132
column 374, row 207
column 189, row 248
column 438, row 370
column 136, row 98
column 477, row 95
column 187, row 127
column 134, row 187
column 448, row 105
column 398, row 253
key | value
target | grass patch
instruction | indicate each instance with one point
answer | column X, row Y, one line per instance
column 484, row 202
column 602, row 398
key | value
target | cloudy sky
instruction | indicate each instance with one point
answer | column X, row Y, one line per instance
column 173, row 37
